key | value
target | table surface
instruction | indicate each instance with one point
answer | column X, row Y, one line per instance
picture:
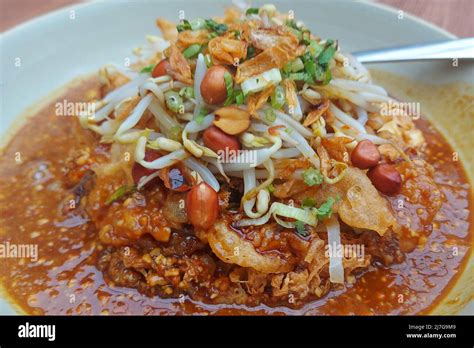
column 454, row 16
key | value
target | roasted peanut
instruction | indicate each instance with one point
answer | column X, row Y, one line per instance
column 365, row 155
column 232, row 119
column 213, row 88
column 202, row 206
column 219, row 142
column 385, row 178
column 161, row 68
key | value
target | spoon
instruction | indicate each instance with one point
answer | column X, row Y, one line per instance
column 450, row 49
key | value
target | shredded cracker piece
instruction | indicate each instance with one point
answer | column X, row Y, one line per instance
column 290, row 93
column 336, row 147
column 256, row 101
column 275, row 57
column 265, row 38
column 168, row 29
column 227, row 51
column 189, row 37
column 179, row 66
column 224, row 241
column 316, row 113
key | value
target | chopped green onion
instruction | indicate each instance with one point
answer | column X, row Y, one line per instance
column 306, row 37
column 187, row 92
column 185, row 25
column 326, row 55
column 310, row 67
column 312, row 177
column 323, row 74
column 327, row 77
column 251, row 10
column 302, row 215
column 279, row 209
column 291, row 23
column 147, row 69
column 308, row 203
column 316, row 63
column 300, row 76
column 192, row 51
column 174, row 102
column 270, row 115
column 297, row 33
column 250, row 52
column 232, row 95
column 271, row 188
column 212, row 25
column 197, row 23
column 301, row 229
column 325, row 210
column 314, row 48
column 294, row 66
column 261, row 81
column 229, row 84
column 278, row 97
column 212, row 35
column 208, row 60
column 319, row 73
column 239, row 97
column 120, row 192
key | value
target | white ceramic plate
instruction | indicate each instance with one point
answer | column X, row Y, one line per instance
column 62, row 45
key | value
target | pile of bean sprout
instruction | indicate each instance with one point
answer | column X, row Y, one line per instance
column 274, row 133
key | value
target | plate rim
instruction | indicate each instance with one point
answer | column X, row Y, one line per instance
column 46, row 16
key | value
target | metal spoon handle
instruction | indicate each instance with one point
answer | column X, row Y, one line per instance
column 459, row 48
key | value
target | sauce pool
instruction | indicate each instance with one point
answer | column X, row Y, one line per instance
column 65, row 280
